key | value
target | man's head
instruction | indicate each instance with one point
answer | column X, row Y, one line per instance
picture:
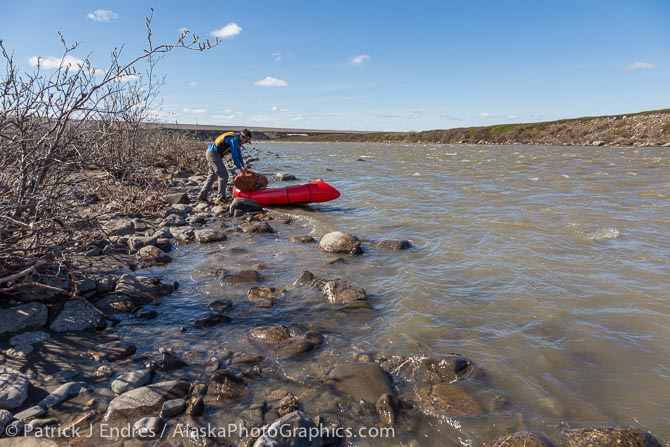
column 245, row 136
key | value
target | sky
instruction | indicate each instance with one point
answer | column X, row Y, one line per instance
column 370, row 65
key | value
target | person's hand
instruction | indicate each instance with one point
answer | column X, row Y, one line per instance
column 244, row 170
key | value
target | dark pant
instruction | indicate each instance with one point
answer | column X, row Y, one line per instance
column 216, row 170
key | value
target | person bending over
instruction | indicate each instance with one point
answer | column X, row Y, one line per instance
column 225, row 144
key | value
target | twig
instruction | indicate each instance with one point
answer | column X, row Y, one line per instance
column 23, row 273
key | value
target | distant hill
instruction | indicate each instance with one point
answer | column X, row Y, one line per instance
column 636, row 129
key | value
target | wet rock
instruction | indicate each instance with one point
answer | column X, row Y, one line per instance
column 434, row 369
column 340, row 291
column 447, row 398
column 240, row 277
column 303, row 239
column 244, row 206
column 108, row 352
column 270, row 334
column 167, row 361
column 208, row 235
column 180, row 197
column 305, row 277
column 219, row 306
column 154, row 255
column 105, row 284
column 282, row 402
column 131, row 380
column 265, row 293
column 388, row 407
column 104, row 371
column 63, row 393
column 296, row 346
column 360, row 381
column 142, row 289
column 172, row 408
column 148, row 427
column 609, row 436
column 257, row 228
column 25, row 316
column 523, row 439
column 13, row 388
column 224, row 385
column 393, row 245
column 284, row 176
column 211, row 321
column 285, row 432
column 76, row 316
column 145, row 400
column 147, row 314
column 29, row 338
column 195, row 406
column 338, row 242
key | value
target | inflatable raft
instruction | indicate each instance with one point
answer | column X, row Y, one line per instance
column 314, row 191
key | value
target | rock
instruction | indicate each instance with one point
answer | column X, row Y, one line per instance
column 388, row 407
column 131, row 380
column 393, row 245
column 598, row 143
column 224, row 385
column 306, row 277
column 211, row 320
column 257, row 228
column 435, row 369
column 5, row 418
column 76, row 316
column 29, row 338
column 265, row 293
column 303, row 239
column 270, row 334
column 195, row 406
column 179, row 210
column 145, row 400
column 179, row 197
column 285, row 432
column 448, row 398
column 240, row 277
column 609, row 436
column 245, row 206
column 173, row 408
column 115, row 303
column 120, row 228
column 25, row 316
column 137, row 242
column 360, row 381
column 63, row 393
column 295, row 346
column 108, row 352
column 173, row 220
column 148, row 428
column 142, row 289
column 27, row 441
column 219, row 306
column 13, row 388
column 341, row 292
column 338, row 242
column 167, row 361
column 207, row 236
column 164, row 244
column 523, row 439
column 284, row 176
column 153, row 255
column 104, row 371
column 140, row 225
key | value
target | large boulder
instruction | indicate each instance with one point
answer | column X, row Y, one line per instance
column 338, row 242
column 76, row 315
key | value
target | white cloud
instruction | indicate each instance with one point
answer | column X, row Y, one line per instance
column 194, row 111
column 278, row 109
column 359, row 60
column 262, row 118
column 228, row 31
column 122, row 77
column 224, row 117
column 298, row 118
column 277, row 56
column 494, row 116
column 51, row 62
column 639, row 66
column 271, row 82
column 102, row 15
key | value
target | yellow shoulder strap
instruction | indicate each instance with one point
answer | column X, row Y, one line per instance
column 221, row 137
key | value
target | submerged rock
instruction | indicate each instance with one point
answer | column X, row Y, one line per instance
column 224, row 386
column 285, row 432
column 448, row 398
column 13, row 388
column 270, row 334
column 523, row 439
column 296, row 346
column 431, row 369
column 609, row 436
column 145, row 400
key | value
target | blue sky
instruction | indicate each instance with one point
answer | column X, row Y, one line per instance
column 373, row 65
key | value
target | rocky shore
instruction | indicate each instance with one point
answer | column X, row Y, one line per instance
column 67, row 377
